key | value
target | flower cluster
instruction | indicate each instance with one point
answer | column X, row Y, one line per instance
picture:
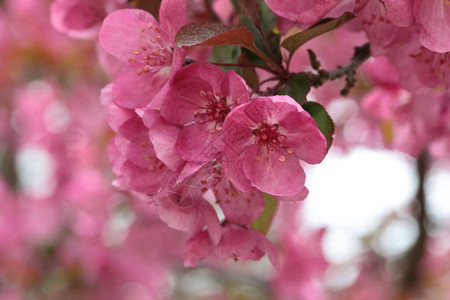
column 192, row 141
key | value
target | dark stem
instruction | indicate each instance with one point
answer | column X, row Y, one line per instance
column 212, row 14
column 244, row 66
column 411, row 276
column 359, row 57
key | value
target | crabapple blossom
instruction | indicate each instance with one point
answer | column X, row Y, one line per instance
column 146, row 48
column 303, row 12
column 265, row 141
column 199, row 98
column 82, row 18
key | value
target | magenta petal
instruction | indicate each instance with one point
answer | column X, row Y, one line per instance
column 303, row 11
column 303, row 136
column 211, row 221
column 131, row 90
column 197, row 144
column 276, row 173
column 120, row 33
column 172, row 15
column 434, row 16
column 197, row 248
column 297, row 197
column 163, row 137
column 268, row 247
column 240, row 207
column 175, row 216
column 235, row 243
column 143, row 180
column 238, row 89
column 234, row 172
column 207, row 72
column 77, row 19
column 183, row 99
column 399, row 12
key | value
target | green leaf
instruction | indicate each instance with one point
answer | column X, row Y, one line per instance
column 293, row 42
column 323, row 120
column 262, row 224
column 298, row 87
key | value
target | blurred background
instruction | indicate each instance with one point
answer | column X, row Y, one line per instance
column 374, row 226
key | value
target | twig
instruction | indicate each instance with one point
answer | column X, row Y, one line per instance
column 360, row 56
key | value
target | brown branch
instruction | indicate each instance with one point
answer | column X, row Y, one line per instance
column 359, row 57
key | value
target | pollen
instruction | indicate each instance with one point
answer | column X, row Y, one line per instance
column 290, row 150
column 282, row 158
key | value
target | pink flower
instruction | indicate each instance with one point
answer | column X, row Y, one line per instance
column 146, row 48
column 265, row 140
column 241, row 243
column 135, row 161
column 81, row 18
column 200, row 97
column 305, row 11
column 434, row 16
column 237, row 242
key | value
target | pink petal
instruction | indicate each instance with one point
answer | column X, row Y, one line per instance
column 434, row 15
column 143, row 180
column 163, row 137
column 132, row 90
column 120, row 33
column 297, row 197
column 268, row 247
column 275, row 173
column 211, row 221
column 197, row 248
column 399, row 12
column 175, row 216
column 240, row 207
column 172, row 15
column 197, row 144
column 235, row 243
column 77, row 18
column 238, row 88
column 183, row 99
column 303, row 136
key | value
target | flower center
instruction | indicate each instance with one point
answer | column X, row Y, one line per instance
column 153, row 53
column 214, row 110
column 268, row 135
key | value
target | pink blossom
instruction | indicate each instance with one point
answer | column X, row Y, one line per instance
column 265, row 140
column 200, row 97
column 434, row 16
column 81, row 18
column 420, row 69
column 134, row 158
column 146, row 48
column 304, row 11
column 241, row 243
column 182, row 206
column 237, row 242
